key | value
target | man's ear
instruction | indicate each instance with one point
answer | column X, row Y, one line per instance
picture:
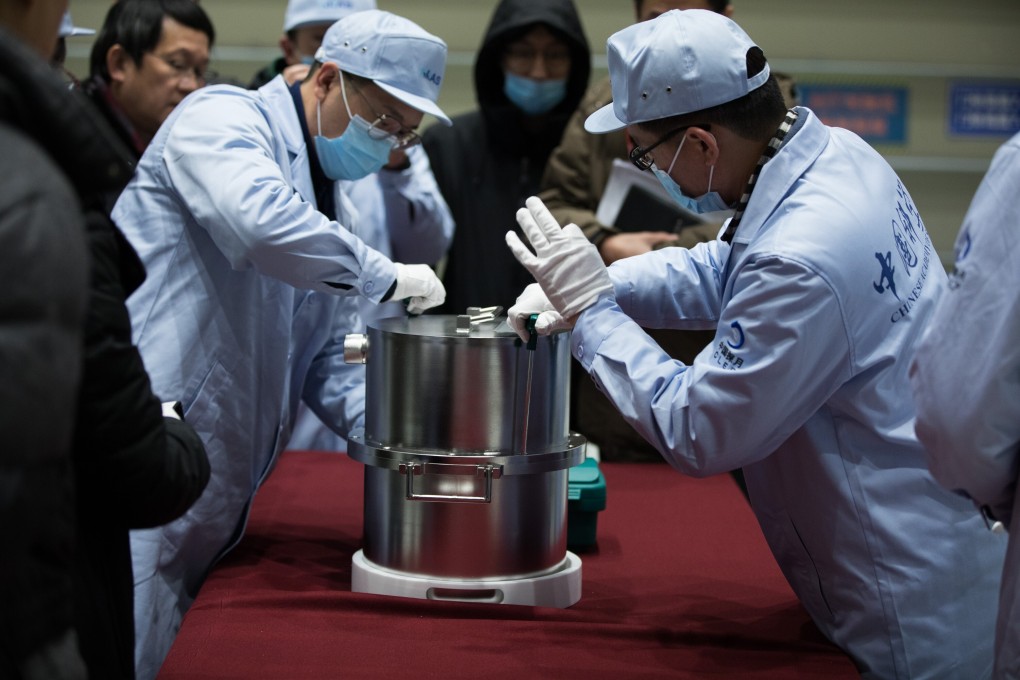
column 117, row 63
column 326, row 76
column 707, row 142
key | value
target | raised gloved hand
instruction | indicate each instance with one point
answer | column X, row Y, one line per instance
column 566, row 265
column 534, row 301
column 419, row 283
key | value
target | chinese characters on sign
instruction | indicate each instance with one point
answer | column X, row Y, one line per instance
column 877, row 114
column 984, row 108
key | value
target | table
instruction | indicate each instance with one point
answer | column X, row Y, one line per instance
column 680, row 585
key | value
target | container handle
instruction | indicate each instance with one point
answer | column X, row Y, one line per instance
column 412, row 470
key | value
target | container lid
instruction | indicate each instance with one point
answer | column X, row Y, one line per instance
column 444, row 326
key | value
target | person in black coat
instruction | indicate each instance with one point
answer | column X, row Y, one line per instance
column 135, row 464
column 530, row 74
column 43, row 274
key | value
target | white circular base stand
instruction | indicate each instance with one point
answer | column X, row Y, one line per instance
column 560, row 588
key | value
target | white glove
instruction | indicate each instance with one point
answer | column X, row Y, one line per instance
column 419, row 283
column 566, row 265
column 534, row 301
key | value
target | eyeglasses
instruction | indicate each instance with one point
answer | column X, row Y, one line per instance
column 642, row 156
column 183, row 69
column 386, row 125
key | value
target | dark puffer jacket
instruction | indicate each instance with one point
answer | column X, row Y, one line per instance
column 133, row 468
column 43, row 274
column 490, row 161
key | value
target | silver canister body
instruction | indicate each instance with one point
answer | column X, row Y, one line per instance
column 452, row 489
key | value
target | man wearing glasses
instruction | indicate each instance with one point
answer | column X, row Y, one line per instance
column 254, row 272
column 818, row 290
column 148, row 56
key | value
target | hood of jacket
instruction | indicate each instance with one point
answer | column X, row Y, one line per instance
column 510, row 20
column 35, row 100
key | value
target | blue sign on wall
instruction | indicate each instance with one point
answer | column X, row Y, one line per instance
column 878, row 114
column 990, row 108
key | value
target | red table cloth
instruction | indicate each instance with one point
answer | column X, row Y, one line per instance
column 680, row 585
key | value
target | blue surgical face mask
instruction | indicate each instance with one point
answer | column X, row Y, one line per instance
column 534, row 97
column 307, row 60
column 708, row 202
column 357, row 152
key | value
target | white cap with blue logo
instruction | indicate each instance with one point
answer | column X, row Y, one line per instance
column 302, row 13
column 396, row 53
column 680, row 62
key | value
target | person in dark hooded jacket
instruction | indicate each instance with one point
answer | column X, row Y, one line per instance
column 530, row 74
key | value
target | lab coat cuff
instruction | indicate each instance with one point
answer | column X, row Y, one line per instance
column 592, row 326
column 377, row 277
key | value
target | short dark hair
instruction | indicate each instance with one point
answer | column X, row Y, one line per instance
column 715, row 5
column 137, row 26
column 754, row 116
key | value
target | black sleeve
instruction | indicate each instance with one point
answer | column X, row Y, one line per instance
column 138, row 467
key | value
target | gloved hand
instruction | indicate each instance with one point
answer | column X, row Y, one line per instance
column 534, row 301
column 419, row 283
column 566, row 265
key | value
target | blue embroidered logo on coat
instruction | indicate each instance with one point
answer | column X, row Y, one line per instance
column 724, row 355
column 961, row 249
column 736, row 340
column 909, row 236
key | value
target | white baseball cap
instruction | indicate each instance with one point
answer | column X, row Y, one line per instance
column 396, row 53
column 680, row 62
column 308, row 12
column 68, row 29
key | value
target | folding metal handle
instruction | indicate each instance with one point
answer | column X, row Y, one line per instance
column 412, row 470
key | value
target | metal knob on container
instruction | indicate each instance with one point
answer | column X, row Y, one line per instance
column 355, row 348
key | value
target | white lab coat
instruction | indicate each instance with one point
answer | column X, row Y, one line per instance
column 805, row 387
column 966, row 376
column 403, row 216
column 237, row 318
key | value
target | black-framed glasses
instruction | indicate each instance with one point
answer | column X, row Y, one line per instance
column 641, row 156
column 385, row 126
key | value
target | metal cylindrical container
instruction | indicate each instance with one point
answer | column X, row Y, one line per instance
column 467, row 446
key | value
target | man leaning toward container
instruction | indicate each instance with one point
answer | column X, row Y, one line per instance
column 818, row 289
column 254, row 274
column 575, row 180
column 401, row 212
